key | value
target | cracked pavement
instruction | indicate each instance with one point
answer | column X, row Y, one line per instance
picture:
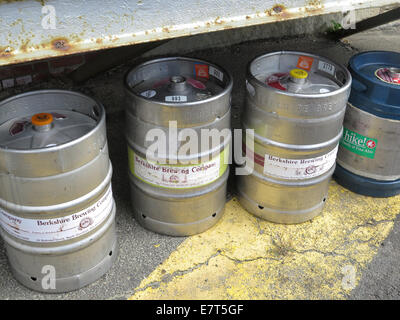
column 234, row 260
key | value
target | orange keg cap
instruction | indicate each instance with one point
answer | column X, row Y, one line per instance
column 42, row 119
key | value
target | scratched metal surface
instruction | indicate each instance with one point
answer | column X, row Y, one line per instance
column 93, row 25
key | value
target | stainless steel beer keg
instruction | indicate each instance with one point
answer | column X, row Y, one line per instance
column 369, row 152
column 295, row 104
column 56, row 205
column 178, row 102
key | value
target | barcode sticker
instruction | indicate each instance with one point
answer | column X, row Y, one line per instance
column 176, row 98
column 326, row 67
column 216, row 73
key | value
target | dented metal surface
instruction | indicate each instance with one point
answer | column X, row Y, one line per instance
column 27, row 33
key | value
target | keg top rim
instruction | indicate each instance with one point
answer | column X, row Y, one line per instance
column 370, row 71
column 225, row 90
column 344, row 87
column 375, row 60
column 100, row 121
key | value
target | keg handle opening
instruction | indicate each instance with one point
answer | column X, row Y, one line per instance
column 394, row 72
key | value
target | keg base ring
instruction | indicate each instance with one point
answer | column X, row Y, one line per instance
column 178, row 230
column 280, row 217
column 70, row 283
column 366, row 186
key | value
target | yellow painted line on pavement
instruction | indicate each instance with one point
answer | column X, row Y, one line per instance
column 243, row 257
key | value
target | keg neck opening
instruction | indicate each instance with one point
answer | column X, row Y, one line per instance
column 42, row 122
column 177, row 84
column 298, row 76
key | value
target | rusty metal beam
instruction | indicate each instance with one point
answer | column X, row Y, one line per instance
column 26, row 31
column 369, row 23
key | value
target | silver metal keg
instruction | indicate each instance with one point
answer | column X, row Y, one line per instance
column 56, row 205
column 178, row 191
column 295, row 104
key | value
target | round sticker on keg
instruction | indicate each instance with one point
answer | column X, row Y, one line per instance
column 85, row 222
column 371, row 144
column 389, row 75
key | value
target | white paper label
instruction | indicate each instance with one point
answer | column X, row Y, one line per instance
column 216, row 73
column 169, row 176
column 299, row 168
column 326, row 67
column 58, row 229
column 176, row 98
